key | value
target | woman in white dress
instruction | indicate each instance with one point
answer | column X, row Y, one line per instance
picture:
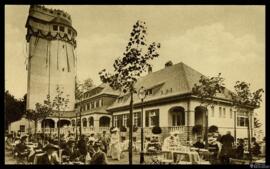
column 115, row 144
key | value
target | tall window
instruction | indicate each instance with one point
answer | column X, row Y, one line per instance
column 231, row 113
column 224, row 112
column 152, row 118
column 242, row 119
column 115, row 121
column 125, row 117
column 55, row 27
column 137, row 119
column 100, row 102
column 97, row 103
column 92, row 105
column 213, row 111
column 220, row 112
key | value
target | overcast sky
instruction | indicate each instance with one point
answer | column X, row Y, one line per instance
column 210, row 39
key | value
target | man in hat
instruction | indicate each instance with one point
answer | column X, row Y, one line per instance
column 71, row 151
column 105, row 140
column 21, row 150
column 99, row 157
column 227, row 141
column 199, row 143
column 82, row 145
column 50, row 157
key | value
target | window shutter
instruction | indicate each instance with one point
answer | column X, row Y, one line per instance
column 157, row 118
column 147, row 118
column 139, row 119
column 113, row 121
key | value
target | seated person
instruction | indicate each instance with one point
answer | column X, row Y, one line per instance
column 21, row 149
column 50, row 157
column 72, row 152
column 9, row 142
column 90, row 147
column 239, row 152
column 199, row 143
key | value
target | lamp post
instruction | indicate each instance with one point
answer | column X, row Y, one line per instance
column 142, row 95
column 76, row 123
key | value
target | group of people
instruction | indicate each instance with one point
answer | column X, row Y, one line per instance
column 88, row 150
column 95, row 149
column 222, row 148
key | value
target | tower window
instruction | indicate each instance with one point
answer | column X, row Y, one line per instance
column 69, row 31
column 62, row 29
column 55, row 27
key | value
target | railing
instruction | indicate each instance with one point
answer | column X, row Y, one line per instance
column 177, row 128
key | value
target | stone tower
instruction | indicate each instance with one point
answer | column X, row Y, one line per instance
column 51, row 60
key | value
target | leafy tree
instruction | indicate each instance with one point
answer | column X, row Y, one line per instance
column 128, row 68
column 80, row 87
column 14, row 108
column 41, row 112
column 206, row 90
column 60, row 103
column 244, row 99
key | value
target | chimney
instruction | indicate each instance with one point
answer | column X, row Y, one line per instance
column 149, row 69
column 168, row 64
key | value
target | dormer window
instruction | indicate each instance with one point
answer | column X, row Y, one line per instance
column 149, row 91
column 120, row 99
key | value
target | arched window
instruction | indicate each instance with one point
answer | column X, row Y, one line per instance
column 84, row 122
column 91, row 121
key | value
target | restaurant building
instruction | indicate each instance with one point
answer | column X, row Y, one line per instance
column 169, row 104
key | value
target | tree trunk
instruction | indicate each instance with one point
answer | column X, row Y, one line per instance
column 235, row 118
column 206, row 128
column 36, row 128
column 130, row 128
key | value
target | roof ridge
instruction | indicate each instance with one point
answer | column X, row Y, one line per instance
column 185, row 76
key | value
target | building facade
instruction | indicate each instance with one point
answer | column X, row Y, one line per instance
column 169, row 104
column 51, row 62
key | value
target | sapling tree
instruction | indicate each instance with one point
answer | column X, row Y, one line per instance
column 60, row 103
column 129, row 67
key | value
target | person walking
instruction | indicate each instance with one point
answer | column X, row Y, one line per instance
column 115, row 144
column 105, row 140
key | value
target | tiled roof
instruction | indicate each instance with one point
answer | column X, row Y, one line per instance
column 173, row 80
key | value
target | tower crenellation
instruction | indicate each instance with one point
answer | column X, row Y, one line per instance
column 50, row 11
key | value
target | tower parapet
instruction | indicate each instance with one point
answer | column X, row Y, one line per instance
column 50, row 24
